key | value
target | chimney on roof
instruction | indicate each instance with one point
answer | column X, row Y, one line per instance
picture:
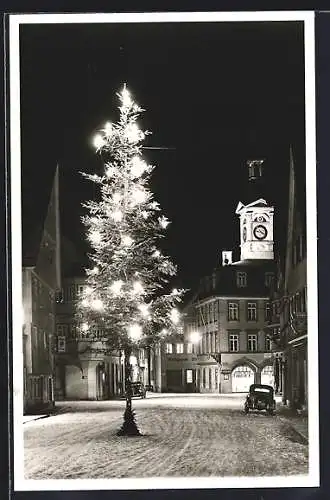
column 227, row 257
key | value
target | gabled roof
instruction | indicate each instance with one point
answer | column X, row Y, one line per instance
column 258, row 203
column 74, row 261
column 37, row 185
column 226, row 280
column 253, row 263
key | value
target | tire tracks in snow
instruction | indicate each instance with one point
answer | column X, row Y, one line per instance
column 176, row 438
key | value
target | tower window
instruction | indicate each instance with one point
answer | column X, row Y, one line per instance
column 233, row 311
column 241, row 279
column 252, row 311
column 267, row 311
column 255, row 169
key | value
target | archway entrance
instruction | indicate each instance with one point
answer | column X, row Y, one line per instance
column 267, row 375
column 241, row 378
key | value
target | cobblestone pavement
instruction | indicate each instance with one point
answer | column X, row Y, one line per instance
column 195, row 435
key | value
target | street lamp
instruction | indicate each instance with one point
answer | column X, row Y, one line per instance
column 135, row 332
column 195, row 337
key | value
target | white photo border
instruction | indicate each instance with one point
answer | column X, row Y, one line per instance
column 21, row 484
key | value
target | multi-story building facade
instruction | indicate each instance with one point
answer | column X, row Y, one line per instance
column 226, row 347
column 227, row 331
column 41, row 280
column 175, row 362
column 289, row 304
column 84, row 367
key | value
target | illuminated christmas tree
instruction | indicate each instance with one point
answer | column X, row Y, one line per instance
column 126, row 296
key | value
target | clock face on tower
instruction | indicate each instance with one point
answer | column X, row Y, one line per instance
column 244, row 234
column 260, row 232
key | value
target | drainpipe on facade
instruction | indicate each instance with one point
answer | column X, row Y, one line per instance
column 149, row 365
column 57, row 260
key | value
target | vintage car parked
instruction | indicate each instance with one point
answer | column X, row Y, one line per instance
column 260, row 397
column 138, row 390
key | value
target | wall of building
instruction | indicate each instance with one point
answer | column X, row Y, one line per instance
column 216, row 358
column 79, row 375
column 40, row 283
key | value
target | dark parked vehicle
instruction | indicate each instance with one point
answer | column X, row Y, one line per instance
column 138, row 390
column 260, row 397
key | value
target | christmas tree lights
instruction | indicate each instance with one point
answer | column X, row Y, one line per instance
column 125, row 295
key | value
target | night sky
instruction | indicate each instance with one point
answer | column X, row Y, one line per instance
column 217, row 93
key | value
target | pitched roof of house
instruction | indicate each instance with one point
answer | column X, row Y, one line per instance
column 224, row 280
column 73, row 260
column 37, row 185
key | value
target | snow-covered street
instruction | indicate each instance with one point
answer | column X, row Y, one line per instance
column 183, row 435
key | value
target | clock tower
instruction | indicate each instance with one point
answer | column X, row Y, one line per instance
column 256, row 221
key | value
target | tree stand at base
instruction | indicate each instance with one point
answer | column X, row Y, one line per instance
column 129, row 427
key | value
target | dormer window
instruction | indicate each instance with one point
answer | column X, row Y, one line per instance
column 241, row 279
column 255, row 169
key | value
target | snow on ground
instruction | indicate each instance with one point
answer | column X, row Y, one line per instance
column 197, row 435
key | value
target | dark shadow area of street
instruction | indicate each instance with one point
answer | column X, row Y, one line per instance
column 291, row 433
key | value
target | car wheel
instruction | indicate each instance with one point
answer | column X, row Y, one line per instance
column 246, row 409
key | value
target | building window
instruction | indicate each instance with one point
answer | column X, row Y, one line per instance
column 233, row 311
column 269, row 279
column 208, row 337
column 252, row 342
column 179, row 348
column 252, row 311
column 98, row 332
column 59, row 296
column 207, row 313
column 202, row 316
column 169, row 348
column 189, row 348
column 210, row 378
column 216, row 311
column 61, row 346
column 72, row 330
column 45, row 340
column 268, row 344
column 233, row 342
column 189, row 376
column 267, row 311
column 211, row 342
column 62, row 329
column 241, row 279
